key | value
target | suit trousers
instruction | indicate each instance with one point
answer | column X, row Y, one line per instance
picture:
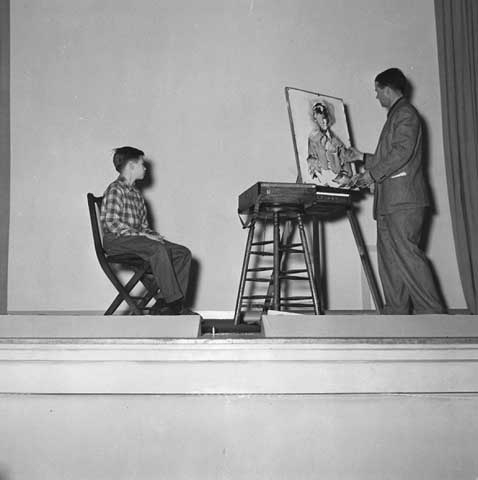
column 170, row 262
column 404, row 270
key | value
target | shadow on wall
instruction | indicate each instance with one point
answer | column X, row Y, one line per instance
column 194, row 275
column 427, row 226
column 4, row 475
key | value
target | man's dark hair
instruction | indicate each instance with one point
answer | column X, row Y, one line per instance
column 123, row 155
column 393, row 78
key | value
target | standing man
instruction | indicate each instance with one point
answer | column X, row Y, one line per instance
column 126, row 230
column 401, row 201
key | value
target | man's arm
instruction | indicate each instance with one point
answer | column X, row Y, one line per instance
column 402, row 145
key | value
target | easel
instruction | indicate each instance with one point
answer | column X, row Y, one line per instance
column 326, row 204
column 320, row 211
column 322, row 214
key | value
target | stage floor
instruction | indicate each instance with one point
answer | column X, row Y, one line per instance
column 273, row 325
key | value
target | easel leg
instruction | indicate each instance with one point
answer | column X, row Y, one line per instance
column 372, row 283
column 316, row 257
column 245, row 266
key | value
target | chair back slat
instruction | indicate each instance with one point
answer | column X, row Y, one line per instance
column 94, row 207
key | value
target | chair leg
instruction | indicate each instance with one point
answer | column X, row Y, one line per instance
column 151, row 291
column 124, row 292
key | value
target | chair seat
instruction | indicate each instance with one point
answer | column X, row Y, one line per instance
column 126, row 259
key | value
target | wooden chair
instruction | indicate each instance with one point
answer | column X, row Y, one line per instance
column 111, row 263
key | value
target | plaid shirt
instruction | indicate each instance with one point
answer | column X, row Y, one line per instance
column 123, row 211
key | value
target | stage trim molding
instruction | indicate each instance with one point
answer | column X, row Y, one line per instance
column 116, row 364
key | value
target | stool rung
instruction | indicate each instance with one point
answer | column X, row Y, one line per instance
column 264, row 254
column 260, row 269
column 258, row 280
column 286, row 272
column 259, row 306
column 294, row 302
column 291, row 250
column 256, row 297
column 299, row 307
column 292, row 277
column 287, row 299
column 263, row 242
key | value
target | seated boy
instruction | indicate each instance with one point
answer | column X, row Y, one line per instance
column 126, row 230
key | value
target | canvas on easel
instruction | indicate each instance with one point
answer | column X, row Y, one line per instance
column 320, row 138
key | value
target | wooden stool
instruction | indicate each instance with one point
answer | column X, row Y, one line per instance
column 273, row 299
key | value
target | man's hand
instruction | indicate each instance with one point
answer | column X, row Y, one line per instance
column 364, row 180
column 353, row 155
column 154, row 236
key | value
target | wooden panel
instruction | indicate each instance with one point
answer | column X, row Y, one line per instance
column 152, row 365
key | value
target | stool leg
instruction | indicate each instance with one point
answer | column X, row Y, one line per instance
column 245, row 266
column 308, row 264
column 276, row 272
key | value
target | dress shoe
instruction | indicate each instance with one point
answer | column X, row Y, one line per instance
column 168, row 311
column 156, row 308
column 171, row 308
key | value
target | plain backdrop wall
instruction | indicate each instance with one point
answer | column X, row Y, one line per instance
column 199, row 87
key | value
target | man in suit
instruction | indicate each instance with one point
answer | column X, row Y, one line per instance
column 401, row 201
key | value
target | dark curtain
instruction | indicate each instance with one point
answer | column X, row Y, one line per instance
column 4, row 148
column 457, row 33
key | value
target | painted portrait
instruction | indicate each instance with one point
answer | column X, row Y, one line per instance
column 320, row 138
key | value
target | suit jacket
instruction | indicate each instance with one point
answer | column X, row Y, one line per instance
column 397, row 164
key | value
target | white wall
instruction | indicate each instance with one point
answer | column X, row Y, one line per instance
column 239, row 437
column 199, row 87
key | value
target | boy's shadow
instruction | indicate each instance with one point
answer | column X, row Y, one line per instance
column 146, row 183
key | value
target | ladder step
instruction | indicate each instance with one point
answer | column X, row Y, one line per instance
column 264, row 254
column 290, row 250
column 258, row 280
column 264, row 242
column 260, row 269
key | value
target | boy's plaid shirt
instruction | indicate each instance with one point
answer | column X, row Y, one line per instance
column 123, row 211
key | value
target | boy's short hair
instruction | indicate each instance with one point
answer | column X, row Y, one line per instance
column 122, row 155
column 321, row 109
column 393, row 78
